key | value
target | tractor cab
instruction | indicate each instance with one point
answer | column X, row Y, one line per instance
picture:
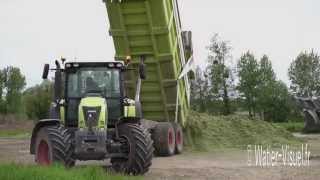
column 92, row 82
column 82, row 82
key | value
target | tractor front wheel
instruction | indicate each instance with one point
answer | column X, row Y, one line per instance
column 53, row 145
column 137, row 144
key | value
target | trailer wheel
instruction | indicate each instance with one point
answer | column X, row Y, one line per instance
column 53, row 144
column 137, row 144
column 179, row 138
column 164, row 139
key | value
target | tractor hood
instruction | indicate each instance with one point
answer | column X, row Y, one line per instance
column 93, row 113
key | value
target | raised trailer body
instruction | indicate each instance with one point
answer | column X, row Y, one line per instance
column 151, row 28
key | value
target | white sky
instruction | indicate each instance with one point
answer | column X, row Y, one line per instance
column 34, row 32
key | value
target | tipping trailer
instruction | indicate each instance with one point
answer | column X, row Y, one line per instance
column 150, row 30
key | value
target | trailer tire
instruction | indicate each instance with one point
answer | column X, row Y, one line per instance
column 137, row 143
column 178, row 137
column 164, row 139
column 53, row 144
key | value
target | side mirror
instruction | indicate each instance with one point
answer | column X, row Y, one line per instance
column 142, row 71
column 45, row 71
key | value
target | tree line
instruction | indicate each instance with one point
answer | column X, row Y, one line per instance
column 250, row 84
column 15, row 99
column 12, row 82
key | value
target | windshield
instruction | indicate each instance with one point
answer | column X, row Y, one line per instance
column 98, row 80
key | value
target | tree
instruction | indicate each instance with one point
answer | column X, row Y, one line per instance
column 304, row 74
column 278, row 108
column 267, row 74
column 248, row 72
column 14, row 84
column 2, row 87
column 219, row 72
column 266, row 86
column 38, row 108
column 199, row 91
column 262, row 93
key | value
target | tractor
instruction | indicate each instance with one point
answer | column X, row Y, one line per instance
column 91, row 118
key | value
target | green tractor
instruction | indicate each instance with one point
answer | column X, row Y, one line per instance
column 91, row 118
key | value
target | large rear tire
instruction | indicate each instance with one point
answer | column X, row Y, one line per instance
column 53, row 145
column 137, row 143
column 164, row 139
column 179, row 138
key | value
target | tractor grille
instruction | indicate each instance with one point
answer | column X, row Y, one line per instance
column 91, row 115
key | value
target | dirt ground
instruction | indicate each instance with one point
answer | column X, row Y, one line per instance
column 220, row 165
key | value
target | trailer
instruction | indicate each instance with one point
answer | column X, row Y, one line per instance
column 150, row 30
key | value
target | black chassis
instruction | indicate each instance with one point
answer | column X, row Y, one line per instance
column 106, row 145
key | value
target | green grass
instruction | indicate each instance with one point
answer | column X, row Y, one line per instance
column 15, row 133
column 206, row 133
column 292, row 126
column 23, row 172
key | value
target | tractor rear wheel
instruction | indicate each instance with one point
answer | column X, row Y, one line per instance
column 137, row 144
column 164, row 139
column 179, row 138
column 53, row 145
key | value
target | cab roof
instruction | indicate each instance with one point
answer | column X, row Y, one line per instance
column 111, row 64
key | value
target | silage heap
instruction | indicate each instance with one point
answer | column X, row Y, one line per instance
column 205, row 133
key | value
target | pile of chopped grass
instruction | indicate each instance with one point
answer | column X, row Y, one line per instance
column 205, row 133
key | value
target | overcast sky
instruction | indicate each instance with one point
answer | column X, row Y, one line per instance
column 34, row 32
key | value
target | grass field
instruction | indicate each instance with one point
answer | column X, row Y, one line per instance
column 21, row 172
column 15, row 133
column 292, row 126
column 9, row 127
column 205, row 133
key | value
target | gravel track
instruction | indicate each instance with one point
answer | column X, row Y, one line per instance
column 220, row 165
